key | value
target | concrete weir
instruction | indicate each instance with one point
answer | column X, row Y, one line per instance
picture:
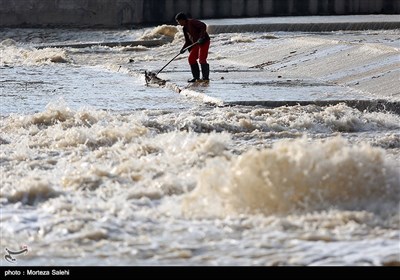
column 320, row 69
column 128, row 13
column 305, row 24
column 145, row 43
column 222, row 94
column 362, row 105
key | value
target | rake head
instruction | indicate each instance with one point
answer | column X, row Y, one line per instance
column 152, row 79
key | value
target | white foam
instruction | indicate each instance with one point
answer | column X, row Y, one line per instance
column 298, row 175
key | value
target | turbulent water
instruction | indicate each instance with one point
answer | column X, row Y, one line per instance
column 98, row 169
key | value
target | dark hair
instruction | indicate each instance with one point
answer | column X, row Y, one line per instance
column 180, row 16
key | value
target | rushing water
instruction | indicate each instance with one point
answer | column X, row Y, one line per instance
column 98, row 169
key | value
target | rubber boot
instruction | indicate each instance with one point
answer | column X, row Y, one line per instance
column 205, row 71
column 195, row 72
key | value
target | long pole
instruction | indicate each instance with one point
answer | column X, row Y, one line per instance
column 185, row 49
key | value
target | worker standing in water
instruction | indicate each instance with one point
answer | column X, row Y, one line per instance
column 195, row 31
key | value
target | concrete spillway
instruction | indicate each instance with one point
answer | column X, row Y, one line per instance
column 305, row 24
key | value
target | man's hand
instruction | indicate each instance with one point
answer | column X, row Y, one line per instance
column 201, row 41
column 182, row 51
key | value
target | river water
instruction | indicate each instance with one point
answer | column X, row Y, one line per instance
column 98, row 169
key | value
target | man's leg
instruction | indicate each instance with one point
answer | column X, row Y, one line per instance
column 203, row 54
column 194, row 67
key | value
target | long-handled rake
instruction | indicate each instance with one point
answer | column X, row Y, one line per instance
column 150, row 76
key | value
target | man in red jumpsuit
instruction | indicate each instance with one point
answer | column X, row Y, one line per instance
column 195, row 31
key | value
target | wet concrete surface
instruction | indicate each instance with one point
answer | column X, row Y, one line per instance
column 305, row 23
column 360, row 68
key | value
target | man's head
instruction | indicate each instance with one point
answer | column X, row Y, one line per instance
column 181, row 18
